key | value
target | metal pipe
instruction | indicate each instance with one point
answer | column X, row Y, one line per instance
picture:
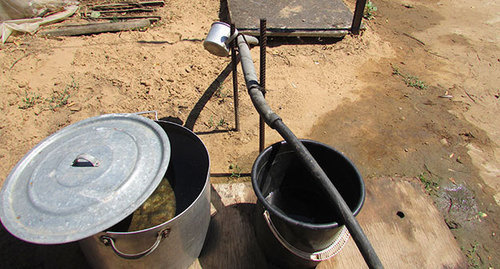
column 252, row 40
column 263, row 45
column 235, row 81
column 358, row 16
column 275, row 122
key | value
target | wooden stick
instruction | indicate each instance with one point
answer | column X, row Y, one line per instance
column 154, row 18
column 107, row 7
column 22, row 57
column 95, row 28
column 469, row 96
column 128, row 10
column 152, row 3
column 414, row 38
column 435, row 54
column 146, row 3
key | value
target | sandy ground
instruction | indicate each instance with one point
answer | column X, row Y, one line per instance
column 348, row 93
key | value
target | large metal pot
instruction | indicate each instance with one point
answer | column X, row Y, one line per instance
column 177, row 242
column 53, row 197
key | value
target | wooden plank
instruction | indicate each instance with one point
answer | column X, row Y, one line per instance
column 419, row 239
column 119, row 5
column 292, row 17
column 405, row 228
column 230, row 241
column 151, row 18
column 95, row 28
column 127, row 10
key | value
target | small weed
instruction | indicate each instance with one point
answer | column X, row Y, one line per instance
column 211, row 122
column 409, row 80
column 472, row 256
column 58, row 99
column 29, row 100
column 415, row 82
column 395, row 71
column 370, row 9
column 73, row 85
column 235, row 171
column 221, row 92
column 430, row 186
column 222, row 122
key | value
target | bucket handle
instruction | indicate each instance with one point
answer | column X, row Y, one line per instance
column 332, row 250
column 109, row 241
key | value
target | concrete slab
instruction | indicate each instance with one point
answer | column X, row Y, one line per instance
column 292, row 18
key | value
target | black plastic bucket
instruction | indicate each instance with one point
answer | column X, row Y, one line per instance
column 295, row 224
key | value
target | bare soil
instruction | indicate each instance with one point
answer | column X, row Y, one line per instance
column 349, row 93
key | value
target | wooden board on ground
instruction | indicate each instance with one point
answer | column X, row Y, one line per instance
column 400, row 220
column 95, row 28
column 292, row 17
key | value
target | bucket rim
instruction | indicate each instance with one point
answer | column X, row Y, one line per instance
column 281, row 215
column 221, row 22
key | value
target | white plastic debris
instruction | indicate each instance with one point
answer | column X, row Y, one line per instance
column 23, row 16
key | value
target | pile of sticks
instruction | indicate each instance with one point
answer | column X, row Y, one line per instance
column 123, row 11
column 120, row 17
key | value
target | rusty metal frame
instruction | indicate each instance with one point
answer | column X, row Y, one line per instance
column 358, row 16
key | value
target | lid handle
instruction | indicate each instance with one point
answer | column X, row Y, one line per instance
column 86, row 160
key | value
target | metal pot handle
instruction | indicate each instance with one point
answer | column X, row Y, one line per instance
column 147, row 112
column 109, row 241
column 332, row 250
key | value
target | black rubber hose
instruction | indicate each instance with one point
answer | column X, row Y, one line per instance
column 275, row 122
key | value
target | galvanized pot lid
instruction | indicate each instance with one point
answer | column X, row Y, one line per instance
column 84, row 178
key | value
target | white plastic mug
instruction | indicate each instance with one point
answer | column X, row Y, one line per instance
column 218, row 39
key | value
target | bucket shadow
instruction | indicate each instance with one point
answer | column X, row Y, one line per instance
column 198, row 107
column 15, row 253
column 230, row 241
column 172, row 119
